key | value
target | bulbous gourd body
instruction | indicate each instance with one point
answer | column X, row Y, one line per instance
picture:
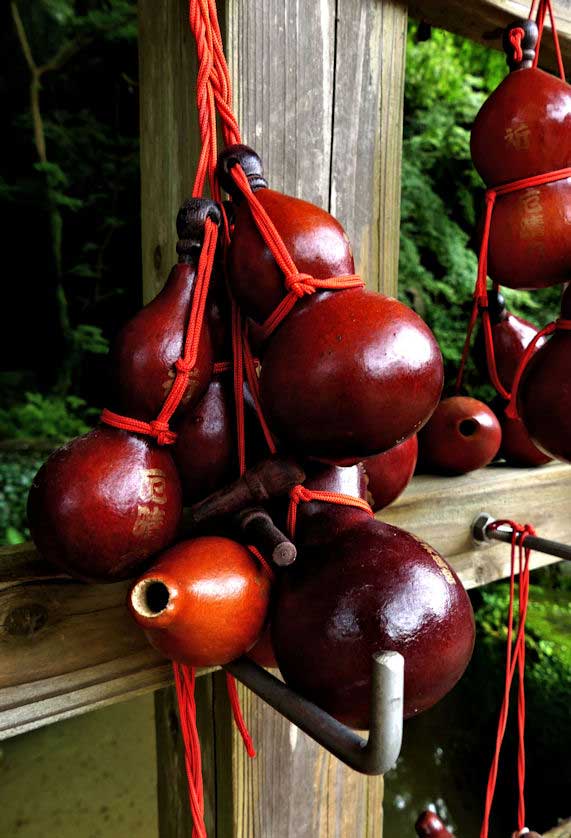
column 103, row 504
column 203, row 603
column 544, row 396
column 517, row 447
column 390, row 473
column 522, row 130
column 429, row 825
column 314, row 239
column 359, row 587
column 350, row 374
column 510, row 336
column 149, row 345
column 205, row 449
column 462, row 435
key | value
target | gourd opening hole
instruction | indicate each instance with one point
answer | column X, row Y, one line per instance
column 150, row 597
column 468, row 427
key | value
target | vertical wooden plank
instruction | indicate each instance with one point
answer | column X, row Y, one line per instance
column 367, row 134
column 281, row 58
column 295, row 789
column 169, row 135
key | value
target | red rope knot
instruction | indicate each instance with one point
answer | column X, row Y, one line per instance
column 299, row 493
column 183, row 366
column 516, row 37
column 299, row 284
column 563, row 324
column 162, row 432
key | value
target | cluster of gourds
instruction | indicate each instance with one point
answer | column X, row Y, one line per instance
column 349, row 374
column 521, row 147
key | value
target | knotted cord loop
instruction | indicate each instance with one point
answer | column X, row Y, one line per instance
column 480, row 297
column 297, row 284
column 516, row 36
column 515, row 657
column 159, row 427
column 299, row 494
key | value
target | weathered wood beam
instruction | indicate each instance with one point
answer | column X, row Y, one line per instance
column 66, row 647
column 480, row 20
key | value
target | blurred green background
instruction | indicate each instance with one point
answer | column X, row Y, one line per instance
column 69, row 201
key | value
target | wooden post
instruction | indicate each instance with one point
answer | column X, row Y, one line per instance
column 318, row 93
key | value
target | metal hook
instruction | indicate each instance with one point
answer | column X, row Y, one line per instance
column 375, row 755
column 482, row 534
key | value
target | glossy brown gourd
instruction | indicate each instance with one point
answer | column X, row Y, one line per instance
column 149, row 345
column 522, row 130
column 103, row 504
column 348, row 373
column 205, row 449
column 510, row 335
column 203, row 603
column 390, row 473
column 358, row 587
column 315, row 240
column 544, row 396
column 517, row 447
column 263, row 652
column 462, row 435
column 429, row 825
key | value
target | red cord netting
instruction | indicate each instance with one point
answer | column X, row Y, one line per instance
column 297, row 284
column 557, row 325
column 299, row 494
column 480, row 304
column 159, row 427
column 515, row 657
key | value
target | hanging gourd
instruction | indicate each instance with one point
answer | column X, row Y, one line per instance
column 521, row 147
column 462, row 435
column 388, row 474
column 149, row 346
column 103, row 504
column 359, row 586
column 204, row 602
column 544, row 391
column 346, row 373
column 517, row 447
column 510, row 336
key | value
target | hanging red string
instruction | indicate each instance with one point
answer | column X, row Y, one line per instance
column 515, row 657
column 480, row 297
column 299, row 494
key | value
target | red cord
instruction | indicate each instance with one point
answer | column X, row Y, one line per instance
column 515, row 657
column 563, row 325
column 544, row 7
column 185, row 684
column 299, row 494
column 480, row 297
column 159, row 427
column 516, row 36
column 297, row 284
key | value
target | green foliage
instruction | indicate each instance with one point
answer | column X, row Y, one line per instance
column 43, row 418
column 17, row 471
column 447, row 81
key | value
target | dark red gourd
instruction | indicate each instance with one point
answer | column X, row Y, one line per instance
column 349, row 373
column 358, row 587
column 544, row 396
column 510, row 336
column 522, row 130
column 517, row 447
column 205, row 449
column 103, row 504
column 150, row 344
column 429, row 825
column 204, row 602
column 263, row 652
column 390, row 473
column 462, row 435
